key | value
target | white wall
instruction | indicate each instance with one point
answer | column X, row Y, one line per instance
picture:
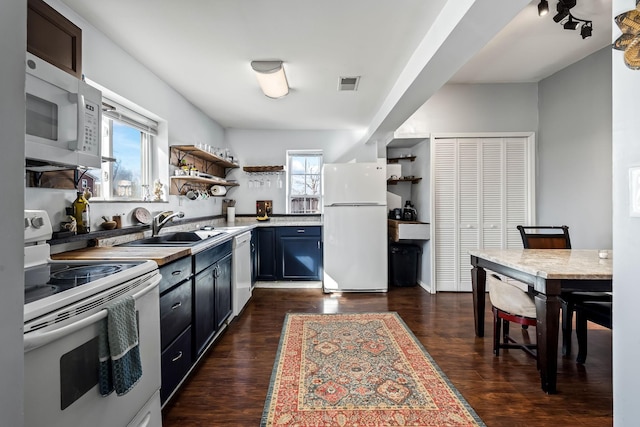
column 477, row 108
column 110, row 66
column 13, row 37
column 466, row 109
column 368, row 152
column 269, row 148
column 574, row 151
column 626, row 234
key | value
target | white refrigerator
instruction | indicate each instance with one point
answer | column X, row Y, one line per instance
column 354, row 227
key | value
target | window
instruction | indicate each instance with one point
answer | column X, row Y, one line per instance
column 127, row 139
column 304, row 169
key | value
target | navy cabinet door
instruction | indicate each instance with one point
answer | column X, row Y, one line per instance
column 266, row 253
column 300, row 253
column 254, row 257
column 223, row 290
column 204, row 308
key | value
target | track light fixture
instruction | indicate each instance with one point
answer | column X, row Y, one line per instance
column 586, row 30
column 564, row 17
column 571, row 24
column 543, row 8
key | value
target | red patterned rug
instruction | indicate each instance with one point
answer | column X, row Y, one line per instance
column 359, row 370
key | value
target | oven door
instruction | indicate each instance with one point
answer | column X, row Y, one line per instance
column 61, row 368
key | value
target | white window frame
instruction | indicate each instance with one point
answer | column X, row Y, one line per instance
column 299, row 153
column 148, row 127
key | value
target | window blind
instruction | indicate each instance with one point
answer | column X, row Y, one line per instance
column 119, row 112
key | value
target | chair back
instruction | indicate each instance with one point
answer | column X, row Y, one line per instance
column 545, row 237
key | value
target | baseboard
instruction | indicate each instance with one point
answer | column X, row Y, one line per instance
column 289, row 285
column 426, row 287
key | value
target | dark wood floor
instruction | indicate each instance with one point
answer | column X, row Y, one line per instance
column 230, row 386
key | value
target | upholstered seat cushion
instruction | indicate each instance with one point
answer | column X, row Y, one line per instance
column 510, row 298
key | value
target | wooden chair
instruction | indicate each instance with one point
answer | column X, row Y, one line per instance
column 557, row 237
column 510, row 304
column 599, row 312
column 545, row 237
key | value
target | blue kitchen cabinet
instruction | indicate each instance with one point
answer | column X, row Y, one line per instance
column 223, row 290
column 212, row 293
column 299, row 253
column 288, row 253
column 265, row 253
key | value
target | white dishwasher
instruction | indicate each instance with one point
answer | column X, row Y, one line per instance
column 241, row 265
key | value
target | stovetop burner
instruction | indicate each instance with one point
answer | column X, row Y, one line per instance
column 52, row 278
column 85, row 272
column 34, row 293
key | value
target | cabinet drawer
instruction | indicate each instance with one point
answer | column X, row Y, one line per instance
column 299, row 231
column 209, row 256
column 175, row 312
column 174, row 273
column 176, row 362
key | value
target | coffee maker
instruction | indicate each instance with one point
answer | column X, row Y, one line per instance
column 409, row 213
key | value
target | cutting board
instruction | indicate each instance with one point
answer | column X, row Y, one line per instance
column 158, row 254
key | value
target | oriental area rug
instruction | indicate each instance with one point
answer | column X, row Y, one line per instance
column 365, row 369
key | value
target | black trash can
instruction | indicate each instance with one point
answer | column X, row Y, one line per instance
column 404, row 262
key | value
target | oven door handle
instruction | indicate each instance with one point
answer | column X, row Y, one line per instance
column 38, row 339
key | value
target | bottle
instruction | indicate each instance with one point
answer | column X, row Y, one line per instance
column 81, row 213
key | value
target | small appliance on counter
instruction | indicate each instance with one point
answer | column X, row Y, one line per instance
column 409, row 213
column 395, row 214
column 263, row 209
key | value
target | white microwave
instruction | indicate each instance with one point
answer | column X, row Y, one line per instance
column 63, row 117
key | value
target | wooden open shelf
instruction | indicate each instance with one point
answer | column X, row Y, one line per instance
column 395, row 181
column 203, row 161
column 254, row 169
column 397, row 159
column 204, row 155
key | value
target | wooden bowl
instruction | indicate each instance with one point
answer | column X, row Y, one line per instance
column 108, row 225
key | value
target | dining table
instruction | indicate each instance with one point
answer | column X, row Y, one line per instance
column 548, row 273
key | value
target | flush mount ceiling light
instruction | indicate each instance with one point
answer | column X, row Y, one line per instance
column 271, row 78
column 566, row 18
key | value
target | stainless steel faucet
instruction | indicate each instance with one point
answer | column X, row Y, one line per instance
column 162, row 219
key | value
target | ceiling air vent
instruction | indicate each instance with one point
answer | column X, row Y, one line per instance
column 349, row 83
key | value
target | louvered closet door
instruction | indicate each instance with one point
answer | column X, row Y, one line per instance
column 518, row 208
column 492, row 187
column 469, row 191
column 481, row 188
column 445, row 217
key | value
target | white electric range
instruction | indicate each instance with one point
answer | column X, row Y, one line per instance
column 65, row 301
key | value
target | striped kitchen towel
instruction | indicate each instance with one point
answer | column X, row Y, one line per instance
column 120, row 364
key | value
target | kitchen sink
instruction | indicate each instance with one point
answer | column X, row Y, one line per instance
column 181, row 238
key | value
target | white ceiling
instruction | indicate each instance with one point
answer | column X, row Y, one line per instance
column 202, row 48
column 531, row 47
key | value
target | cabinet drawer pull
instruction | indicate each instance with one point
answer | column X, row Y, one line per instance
column 176, row 273
column 178, row 357
column 176, row 305
column 301, row 230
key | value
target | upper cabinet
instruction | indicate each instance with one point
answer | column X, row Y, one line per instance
column 54, row 38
